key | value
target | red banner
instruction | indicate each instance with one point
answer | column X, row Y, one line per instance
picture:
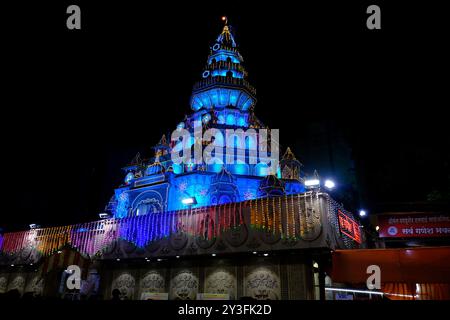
column 349, row 227
column 414, row 225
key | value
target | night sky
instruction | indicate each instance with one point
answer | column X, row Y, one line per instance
column 77, row 106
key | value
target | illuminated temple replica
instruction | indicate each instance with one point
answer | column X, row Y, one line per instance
column 195, row 230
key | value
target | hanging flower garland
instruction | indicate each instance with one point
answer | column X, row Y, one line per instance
column 294, row 231
column 279, row 215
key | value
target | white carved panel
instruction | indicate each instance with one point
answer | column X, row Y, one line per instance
column 262, row 282
column 221, row 280
column 184, row 284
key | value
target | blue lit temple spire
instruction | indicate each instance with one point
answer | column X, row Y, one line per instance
column 223, row 99
column 224, row 86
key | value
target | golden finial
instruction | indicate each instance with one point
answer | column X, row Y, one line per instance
column 225, row 20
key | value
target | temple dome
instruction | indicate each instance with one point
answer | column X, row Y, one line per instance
column 271, row 186
column 224, row 177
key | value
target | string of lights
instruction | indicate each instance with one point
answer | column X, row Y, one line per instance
column 264, row 214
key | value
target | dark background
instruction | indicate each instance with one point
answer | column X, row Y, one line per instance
column 78, row 105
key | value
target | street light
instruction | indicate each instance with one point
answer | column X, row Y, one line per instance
column 362, row 213
column 312, row 183
column 104, row 215
column 189, row 201
column 329, row 184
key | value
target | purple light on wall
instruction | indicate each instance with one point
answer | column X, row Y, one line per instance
column 93, row 237
column 142, row 230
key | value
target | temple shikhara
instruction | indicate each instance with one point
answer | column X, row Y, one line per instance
column 196, row 230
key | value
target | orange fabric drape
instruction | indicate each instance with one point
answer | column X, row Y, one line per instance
column 419, row 291
column 399, row 291
column 433, row 291
column 406, row 274
column 407, row 265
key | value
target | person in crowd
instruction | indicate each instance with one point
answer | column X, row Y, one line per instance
column 116, row 295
